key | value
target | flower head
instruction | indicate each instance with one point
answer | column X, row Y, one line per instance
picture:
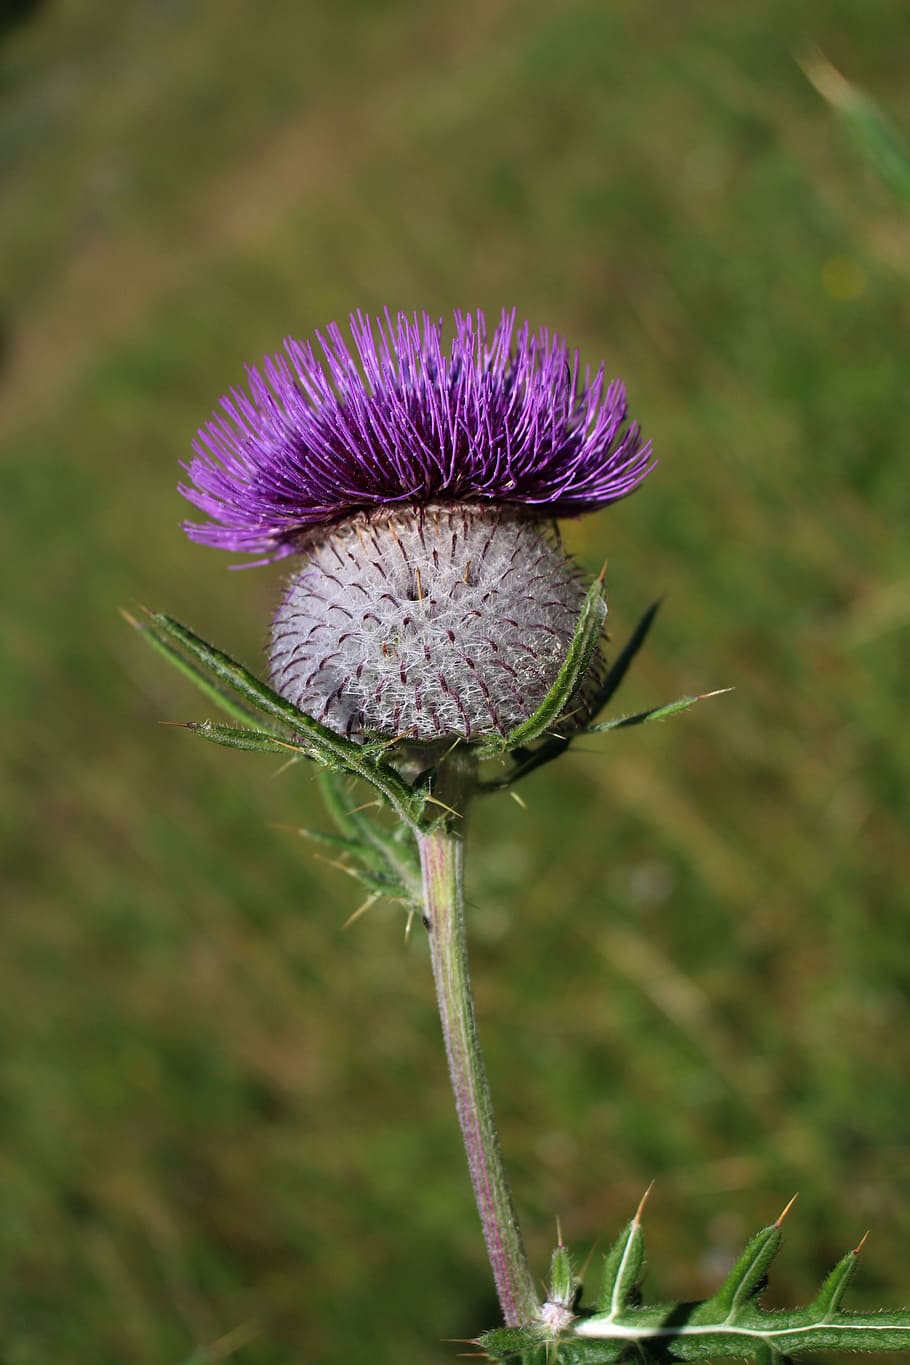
column 429, row 622
column 418, row 487
column 507, row 418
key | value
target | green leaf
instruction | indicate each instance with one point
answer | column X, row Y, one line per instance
column 232, row 737
column 623, row 1266
column 528, row 760
column 832, row 1291
column 390, row 848
column 623, row 661
column 254, row 692
column 656, row 713
column 732, row 1323
column 364, row 761
column 746, row 1280
column 584, row 642
column 564, row 1283
column 206, row 685
column 338, row 800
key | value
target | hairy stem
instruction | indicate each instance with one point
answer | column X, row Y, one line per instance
column 441, row 858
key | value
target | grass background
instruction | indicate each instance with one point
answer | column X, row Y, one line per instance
column 225, row 1129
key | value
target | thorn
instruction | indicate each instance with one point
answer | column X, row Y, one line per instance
column 407, row 928
column 288, row 763
column 781, row 1216
column 519, row 800
column 641, row 1203
column 419, row 585
column 181, row 724
column 861, row 1243
column 384, row 744
column 603, row 573
column 719, row 692
column 436, row 802
column 338, row 865
column 366, row 806
column 361, row 910
column 129, row 618
column 559, row 1242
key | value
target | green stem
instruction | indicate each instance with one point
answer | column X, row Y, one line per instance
column 441, row 859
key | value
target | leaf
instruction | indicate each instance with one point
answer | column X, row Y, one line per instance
column 584, row 642
column 834, row 1287
column 732, row 1323
column 565, row 1285
column 363, row 761
column 671, row 708
column 233, row 737
column 746, row 1280
column 528, row 760
column 219, row 695
column 254, row 692
column 623, row 1265
column 620, row 666
column 391, row 849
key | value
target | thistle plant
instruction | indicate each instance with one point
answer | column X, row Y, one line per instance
column 435, row 643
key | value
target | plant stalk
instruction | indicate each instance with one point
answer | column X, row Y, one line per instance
column 442, row 862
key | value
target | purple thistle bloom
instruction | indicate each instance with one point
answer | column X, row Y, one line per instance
column 509, row 419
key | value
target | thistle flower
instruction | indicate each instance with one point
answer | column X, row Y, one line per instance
column 419, row 488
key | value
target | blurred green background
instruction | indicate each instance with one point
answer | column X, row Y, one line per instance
column 225, row 1127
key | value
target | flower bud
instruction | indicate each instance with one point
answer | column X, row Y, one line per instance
column 449, row 620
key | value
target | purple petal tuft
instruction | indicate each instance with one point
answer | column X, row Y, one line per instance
column 505, row 419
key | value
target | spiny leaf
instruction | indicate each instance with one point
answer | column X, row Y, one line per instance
column 338, row 841
column 368, row 865
column 375, row 876
column 620, row 666
column 832, row 1291
column 233, row 737
column 732, row 1323
column 360, row 760
column 564, row 1283
column 219, row 695
column 671, row 708
column 253, row 691
column 336, row 794
column 578, row 658
column 746, row 1280
column 392, row 848
column 622, row 1270
column 526, row 760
